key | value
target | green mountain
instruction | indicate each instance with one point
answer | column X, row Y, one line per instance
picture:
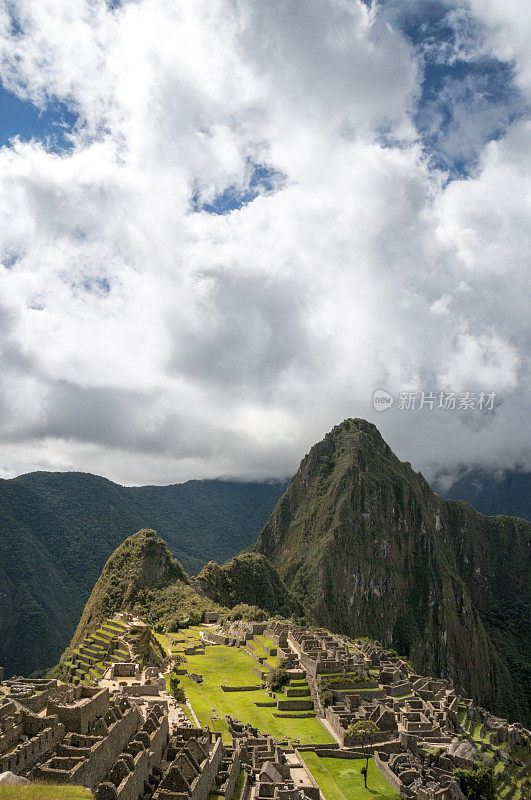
column 368, row 548
column 143, row 576
column 493, row 494
column 248, row 578
column 58, row 529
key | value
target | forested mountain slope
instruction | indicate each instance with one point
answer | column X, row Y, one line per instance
column 367, row 547
column 58, row 529
column 490, row 494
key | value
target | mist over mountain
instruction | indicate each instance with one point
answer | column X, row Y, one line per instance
column 490, row 493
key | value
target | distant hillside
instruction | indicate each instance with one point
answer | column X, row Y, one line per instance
column 58, row 529
column 491, row 495
column 368, row 548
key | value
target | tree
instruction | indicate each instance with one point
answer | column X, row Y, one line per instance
column 277, row 679
column 363, row 733
column 327, row 697
column 175, row 689
column 478, row 783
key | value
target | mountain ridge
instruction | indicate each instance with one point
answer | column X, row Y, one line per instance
column 58, row 529
column 392, row 559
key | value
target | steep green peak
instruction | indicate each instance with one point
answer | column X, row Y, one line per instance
column 356, row 443
column 144, row 559
column 141, row 563
column 247, row 578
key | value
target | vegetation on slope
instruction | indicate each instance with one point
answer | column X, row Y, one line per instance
column 367, row 547
column 143, row 576
column 58, row 529
column 247, row 578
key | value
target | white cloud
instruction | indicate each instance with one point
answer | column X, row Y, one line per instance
column 509, row 29
column 149, row 343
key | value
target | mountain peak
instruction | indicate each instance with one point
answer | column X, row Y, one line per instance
column 141, row 562
column 366, row 546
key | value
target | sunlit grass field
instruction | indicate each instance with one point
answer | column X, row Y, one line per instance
column 44, row 792
column 233, row 667
column 341, row 779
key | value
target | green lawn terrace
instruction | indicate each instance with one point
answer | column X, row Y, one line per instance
column 111, row 642
column 265, row 647
column 233, row 667
column 341, row 779
column 510, row 758
column 34, row 791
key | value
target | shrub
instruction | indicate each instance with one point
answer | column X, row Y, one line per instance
column 247, row 612
column 478, row 783
column 327, row 698
column 277, row 679
column 175, row 688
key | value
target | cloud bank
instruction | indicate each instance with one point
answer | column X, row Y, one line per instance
column 151, row 330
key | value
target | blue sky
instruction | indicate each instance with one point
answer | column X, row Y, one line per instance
column 23, row 119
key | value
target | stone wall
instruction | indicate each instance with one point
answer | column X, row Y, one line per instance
column 44, row 735
column 190, row 774
column 79, row 715
column 140, row 689
column 295, row 705
column 389, row 775
column 91, row 767
column 234, row 771
column 143, row 754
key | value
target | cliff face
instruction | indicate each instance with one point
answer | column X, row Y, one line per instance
column 369, row 548
column 247, row 578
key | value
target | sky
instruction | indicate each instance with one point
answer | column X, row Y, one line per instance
column 226, row 224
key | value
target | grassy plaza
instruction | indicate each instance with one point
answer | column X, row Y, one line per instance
column 234, row 667
column 341, row 779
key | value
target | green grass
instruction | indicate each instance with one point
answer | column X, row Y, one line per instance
column 264, row 640
column 164, row 641
column 233, row 667
column 238, row 788
column 474, row 732
column 44, row 792
column 187, row 713
column 340, row 778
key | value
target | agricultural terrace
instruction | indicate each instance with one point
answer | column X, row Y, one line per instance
column 232, row 666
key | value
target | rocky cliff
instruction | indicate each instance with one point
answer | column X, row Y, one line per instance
column 368, row 547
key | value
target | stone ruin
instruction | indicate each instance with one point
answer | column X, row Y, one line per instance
column 273, row 771
column 320, row 651
column 111, row 745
